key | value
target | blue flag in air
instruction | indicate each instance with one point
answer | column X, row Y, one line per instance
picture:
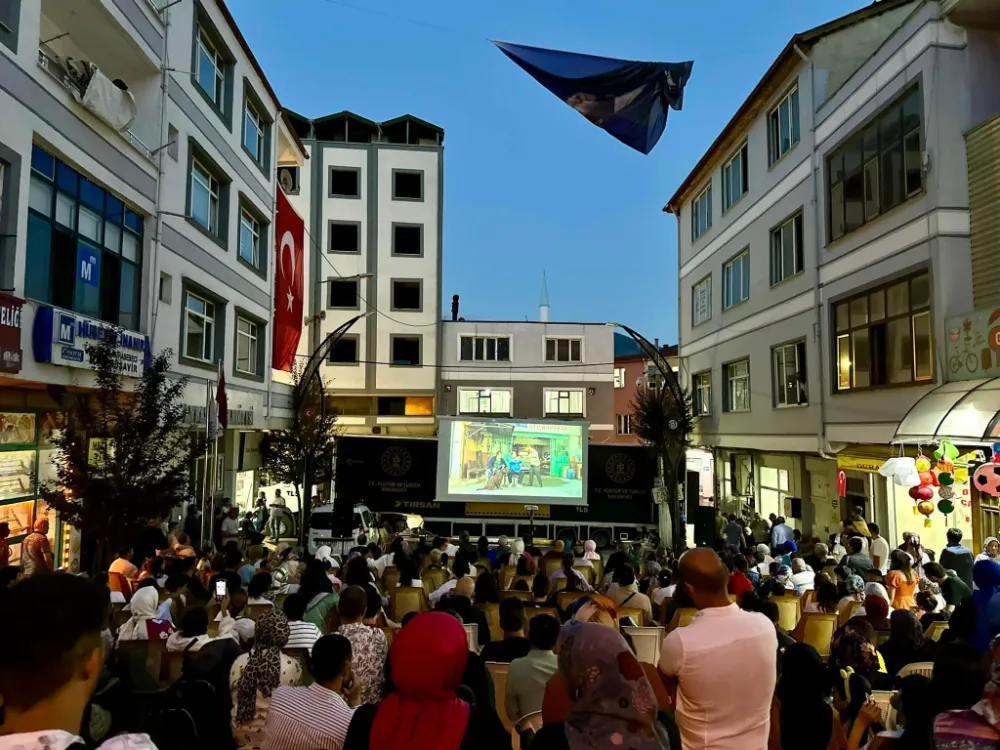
column 627, row 99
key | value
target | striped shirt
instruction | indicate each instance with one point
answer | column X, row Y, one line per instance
column 306, row 717
column 302, row 635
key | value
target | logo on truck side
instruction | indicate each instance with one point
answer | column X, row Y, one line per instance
column 620, row 468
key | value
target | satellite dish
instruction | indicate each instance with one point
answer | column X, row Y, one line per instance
column 286, row 178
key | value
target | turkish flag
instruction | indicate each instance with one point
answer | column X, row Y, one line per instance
column 289, row 262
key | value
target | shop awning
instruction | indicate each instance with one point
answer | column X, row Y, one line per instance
column 964, row 412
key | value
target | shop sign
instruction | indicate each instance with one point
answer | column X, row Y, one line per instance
column 198, row 415
column 850, row 463
column 972, row 345
column 10, row 333
column 61, row 337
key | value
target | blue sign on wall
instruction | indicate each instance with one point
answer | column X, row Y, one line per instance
column 60, row 337
column 89, row 265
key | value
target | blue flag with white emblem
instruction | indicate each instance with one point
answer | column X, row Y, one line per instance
column 627, row 99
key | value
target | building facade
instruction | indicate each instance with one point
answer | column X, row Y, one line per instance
column 823, row 240
column 634, row 372
column 146, row 206
column 372, row 198
column 529, row 370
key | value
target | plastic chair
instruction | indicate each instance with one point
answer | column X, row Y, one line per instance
column 598, row 570
column 551, row 566
column 788, row 612
column 118, row 582
column 588, row 575
column 435, row 577
column 566, row 598
column 817, row 629
column 881, row 636
column 532, row 612
column 472, row 635
column 883, row 699
column 926, row 668
column 150, row 654
column 254, row 611
column 506, row 576
column 647, row 642
column 499, row 672
column 808, row 597
column 934, row 630
column 527, row 579
column 493, row 618
column 682, row 618
column 390, row 577
column 522, row 595
column 404, row 599
column 560, row 583
column 847, row 613
column 638, row 615
column 662, row 614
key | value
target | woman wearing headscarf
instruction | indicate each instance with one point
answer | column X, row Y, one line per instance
column 425, row 709
column 978, row 727
column 855, row 592
column 853, row 648
column 802, row 718
column 986, row 576
column 876, row 612
column 991, row 549
column 874, row 589
column 780, row 583
column 317, row 588
column 590, row 550
column 256, row 674
column 906, row 643
column 143, row 625
column 611, row 702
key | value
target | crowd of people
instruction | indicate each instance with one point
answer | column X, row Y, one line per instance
column 292, row 651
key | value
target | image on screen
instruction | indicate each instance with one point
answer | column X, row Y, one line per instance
column 493, row 460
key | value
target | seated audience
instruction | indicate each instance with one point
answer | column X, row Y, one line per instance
column 425, row 708
column 193, row 635
column 459, row 601
column 854, row 592
column 539, row 590
column 906, row 643
column 368, row 644
column 514, row 645
column 301, row 634
column 257, row 589
column 931, row 613
column 858, row 716
column 318, row 591
column 666, row 588
column 122, row 564
column 624, row 592
column 529, row 674
column 153, row 568
column 255, row 675
column 143, row 625
column 486, row 590
column 567, row 571
column 48, row 679
column 805, row 718
column 461, row 570
column 826, row 600
column 803, row 578
column 739, row 583
column 244, row 625
column 317, row 716
column 182, row 547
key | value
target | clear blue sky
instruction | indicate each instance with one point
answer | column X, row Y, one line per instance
column 530, row 184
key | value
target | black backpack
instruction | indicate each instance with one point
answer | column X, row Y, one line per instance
column 194, row 716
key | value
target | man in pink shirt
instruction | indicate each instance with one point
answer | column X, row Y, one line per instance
column 722, row 666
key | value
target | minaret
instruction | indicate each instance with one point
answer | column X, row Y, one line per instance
column 543, row 305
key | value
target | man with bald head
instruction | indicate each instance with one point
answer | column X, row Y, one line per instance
column 721, row 666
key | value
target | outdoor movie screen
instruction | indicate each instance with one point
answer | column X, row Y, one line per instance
column 505, row 460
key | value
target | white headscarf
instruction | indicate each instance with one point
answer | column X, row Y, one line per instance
column 143, row 607
column 877, row 589
column 591, row 550
column 325, row 553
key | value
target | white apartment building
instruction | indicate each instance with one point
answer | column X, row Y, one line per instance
column 823, row 240
column 139, row 149
column 372, row 199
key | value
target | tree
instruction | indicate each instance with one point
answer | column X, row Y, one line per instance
column 123, row 457
column 662, row 417
column 302, row 455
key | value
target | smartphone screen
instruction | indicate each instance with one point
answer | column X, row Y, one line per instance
column 220, row 589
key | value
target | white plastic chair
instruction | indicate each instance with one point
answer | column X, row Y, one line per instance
column 648, row 642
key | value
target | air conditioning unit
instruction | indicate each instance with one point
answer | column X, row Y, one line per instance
column 288, row 178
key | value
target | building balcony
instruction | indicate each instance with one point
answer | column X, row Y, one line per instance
column 102, row 70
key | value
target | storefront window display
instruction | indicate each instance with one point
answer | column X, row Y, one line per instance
column 24, row 461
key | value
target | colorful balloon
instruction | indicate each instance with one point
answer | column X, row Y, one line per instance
column 926, row 507
column 923, row 463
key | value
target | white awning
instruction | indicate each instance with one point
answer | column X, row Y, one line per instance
column 965, row 411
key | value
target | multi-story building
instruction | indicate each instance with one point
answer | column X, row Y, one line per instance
column 372, row 198
column 823, row 240
column 634, row 372
column 138, row 153
column 529, row 370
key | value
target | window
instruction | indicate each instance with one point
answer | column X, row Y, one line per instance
column 343, row 294
column 884, row 336
column 878, row 168
column 701, row 213
column 702, row 387
column 345, row 182
column 199, row 328
column 789, row 366
column 783, row 126
column 246, row 346
column 484, row 401
column 249, row 239
column 407, row 185
column 624, row 424
column 211, row 69
column 409, row 406
column 563, row 350
column 737, row 386
column 735, row 178
column 406, row 296
column 10, row 13
column 701, row 301
column 205, row 196
column 564, row 402
column 253, row 132
column 619, row 377
column 407, row 239
column 345, row 237
column 786, row 250
column 736, row 280
column 84, row 246
column 345, row 351
column 773, row 490
column 166, row 288
column 405, row 350
column 484, row 348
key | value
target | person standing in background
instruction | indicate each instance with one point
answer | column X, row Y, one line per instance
column 36, row 552
column 958, row 557
column 734, row 533
column 878, row 549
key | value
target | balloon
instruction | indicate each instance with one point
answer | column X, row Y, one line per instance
column 923, row 463
column 914, row 492
column 926, row 507
column 924, row 492
column 926, row 478
column 946, row 506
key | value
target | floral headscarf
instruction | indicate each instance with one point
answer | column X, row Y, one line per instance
column 597, row 609
column 613, row 704
column 850, row 648
column 854, row 584
column 784, row 575
column 263, row 668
